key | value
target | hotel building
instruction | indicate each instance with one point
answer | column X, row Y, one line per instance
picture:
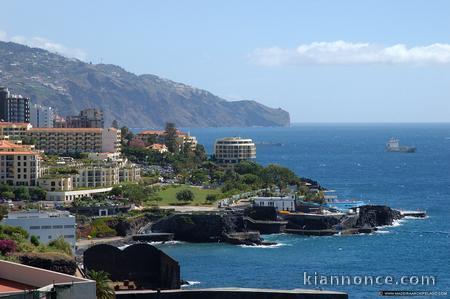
column 232, row 150
column 19, row 165
column 76, row 140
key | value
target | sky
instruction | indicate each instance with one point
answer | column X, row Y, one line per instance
column 323, row 61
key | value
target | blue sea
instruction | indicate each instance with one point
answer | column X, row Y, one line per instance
column 348, row 158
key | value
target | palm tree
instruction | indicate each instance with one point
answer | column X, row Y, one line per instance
column 103, row 289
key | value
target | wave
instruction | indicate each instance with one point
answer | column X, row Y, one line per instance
column 166, row 242
column 190, row 283
column 265, row 246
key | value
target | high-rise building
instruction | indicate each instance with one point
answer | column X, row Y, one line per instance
column 13, row 108
column 41, row 116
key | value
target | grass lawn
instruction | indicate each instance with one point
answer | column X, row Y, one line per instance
column 169, row 195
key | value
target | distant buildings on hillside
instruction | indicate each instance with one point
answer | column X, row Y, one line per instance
column 232, row 150
column 88, row 118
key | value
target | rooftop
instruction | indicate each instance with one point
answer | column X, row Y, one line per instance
column 7, row 286
column 38, row 214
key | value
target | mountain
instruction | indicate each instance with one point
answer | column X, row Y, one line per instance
column 70, row 85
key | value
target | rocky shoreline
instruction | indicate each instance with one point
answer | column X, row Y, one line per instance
column 244, row 226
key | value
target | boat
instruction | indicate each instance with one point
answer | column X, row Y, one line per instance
column 393, row 145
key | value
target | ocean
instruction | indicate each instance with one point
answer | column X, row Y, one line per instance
column 351, row 159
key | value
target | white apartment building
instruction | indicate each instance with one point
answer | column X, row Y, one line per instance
column 46, row 226
column 232, row 150
column 286, row 203
column 76, row 140
column 19, row 165
column 41, row 116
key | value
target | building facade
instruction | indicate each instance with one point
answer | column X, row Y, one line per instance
column 14, row 131
column 41, row 116
column 88, row 118
column 286, row 203
column 232, row 150
column 19, row 165
column 76, row 140
column 46, row 226
column 13, row 108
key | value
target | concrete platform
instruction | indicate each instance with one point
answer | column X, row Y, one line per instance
column 232, row 293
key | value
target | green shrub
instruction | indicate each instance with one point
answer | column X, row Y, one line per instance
column 34, row 240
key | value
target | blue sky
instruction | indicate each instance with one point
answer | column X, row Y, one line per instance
column 323, row 61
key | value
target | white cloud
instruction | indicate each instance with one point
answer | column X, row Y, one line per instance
column 341, row 52
column 43, row 43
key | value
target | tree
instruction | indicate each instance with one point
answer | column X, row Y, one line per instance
column 171, row 138
column 210, row 198
column 185, row 195
column 198, row 176
column 103, row 289
column 37, row 194
column 21, row 193
column 127, row 135
column 61, row 245
column 3, row 212
column 115, row 124
column 136, row 142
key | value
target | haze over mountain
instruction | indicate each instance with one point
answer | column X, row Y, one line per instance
column 70, row 85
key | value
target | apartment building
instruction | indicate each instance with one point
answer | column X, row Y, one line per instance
column 14, row 131
column 90, row 179
column 41, row 116
column 13, row 108
column 19, row 165
column 232, row 150
column 46, row 226
column 76, row 140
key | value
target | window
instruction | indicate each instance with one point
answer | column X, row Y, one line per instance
column 69, row 226
column 46, row 226
column 35, row 227
column 57, row 226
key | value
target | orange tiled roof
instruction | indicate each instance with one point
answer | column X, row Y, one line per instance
column 66, row 130
column 7, row 124
column 152, row 132
column 158, row 146
column 10, row 148
column 160, row 132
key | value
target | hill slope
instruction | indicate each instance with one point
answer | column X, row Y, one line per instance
column 70, row 85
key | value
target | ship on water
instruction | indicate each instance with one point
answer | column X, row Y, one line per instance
column 393, row 145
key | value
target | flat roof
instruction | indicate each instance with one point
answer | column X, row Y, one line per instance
column 7, row 286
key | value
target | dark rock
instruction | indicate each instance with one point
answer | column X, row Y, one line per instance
column 376, row 215
column 50, row 260
column 261, row 213
column 207, row 227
